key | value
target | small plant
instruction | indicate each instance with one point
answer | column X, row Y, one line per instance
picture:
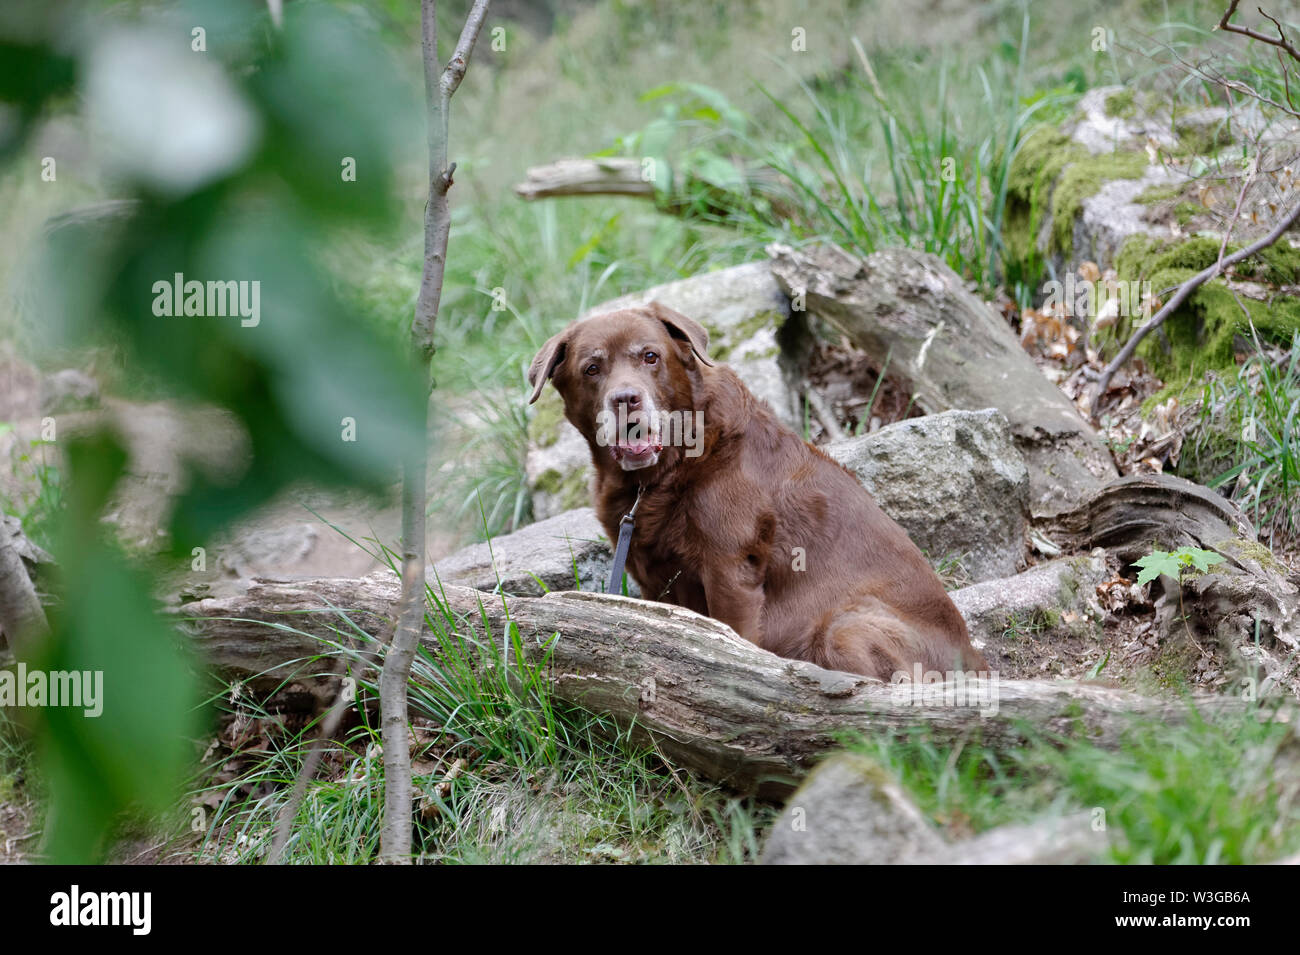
column 1174, row 564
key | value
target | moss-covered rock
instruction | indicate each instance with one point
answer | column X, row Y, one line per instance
column 1203, row 334
column 1124, row 165
column 1121, row 104
column 567, row 489
column 1050, row 179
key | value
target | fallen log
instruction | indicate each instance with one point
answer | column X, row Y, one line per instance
column 710, row 700
column 952, row 352
column 586, row 177
column 620, row 176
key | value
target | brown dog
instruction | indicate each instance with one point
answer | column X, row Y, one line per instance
column 738, row 517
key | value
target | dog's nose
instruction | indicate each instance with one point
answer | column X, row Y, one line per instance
column 630, row 397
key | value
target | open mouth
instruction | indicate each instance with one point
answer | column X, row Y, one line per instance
column 636, row 454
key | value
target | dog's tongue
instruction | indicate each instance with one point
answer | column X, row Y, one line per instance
column 636, row 447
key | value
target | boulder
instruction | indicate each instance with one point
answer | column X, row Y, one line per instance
column 956, row 483
column 849, row 811
column 745, row 312
column 1046, row 604
column 1123, row 167
column 565, row 552
column 1076, row 839
column 953, row 352
column 68, row 390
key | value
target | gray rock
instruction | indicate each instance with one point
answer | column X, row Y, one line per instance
column 68, row 390
column 1064, row 840
column 1043, row 603
column 565, row 552
column 1101, row 133
column 742, row 307
column 1113, row 214
column 849, row 811
column 956, row 483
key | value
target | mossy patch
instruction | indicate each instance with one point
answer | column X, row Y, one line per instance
column 1038, row 163
column 1120, row 104
column 1082, row 180
column 723, row 344
column 1053, row 174
column 548, row 416
column 569, row 489
column 1243, row 549
column 1162, row 193
column 1203, row 139
column 1201, row 335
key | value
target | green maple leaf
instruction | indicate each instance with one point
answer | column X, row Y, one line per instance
column 1156, row 563
column 1202, row 560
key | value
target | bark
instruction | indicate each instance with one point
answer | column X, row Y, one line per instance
column 1248, row 604
column 440, row 86
column 710, row 700
column 586, row 177
column 22, row 619
column 953, row 352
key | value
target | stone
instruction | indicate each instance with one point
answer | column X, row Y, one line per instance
column 1062, row 840
column 1042, row 604
column 849, row 811
column 565, row 552
column 68, row 390
column 956, row 483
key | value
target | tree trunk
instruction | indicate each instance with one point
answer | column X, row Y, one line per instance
column 440, row 86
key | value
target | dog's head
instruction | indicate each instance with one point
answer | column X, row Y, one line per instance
column 624, row 376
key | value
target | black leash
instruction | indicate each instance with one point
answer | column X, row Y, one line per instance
column 625, row 526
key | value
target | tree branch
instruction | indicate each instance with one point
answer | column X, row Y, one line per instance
column 1184, row 292
column 395, row 840
column 1280, row 41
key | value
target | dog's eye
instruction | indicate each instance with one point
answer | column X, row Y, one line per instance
column 650, row 358
column 592, row 369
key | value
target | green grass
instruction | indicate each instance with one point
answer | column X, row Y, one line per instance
column 541, row 781
column 39, row 506
column 1246, row 438
column 1197, row 793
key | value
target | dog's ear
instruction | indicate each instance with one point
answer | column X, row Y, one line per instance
column 544, row 362
column 686, row 329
